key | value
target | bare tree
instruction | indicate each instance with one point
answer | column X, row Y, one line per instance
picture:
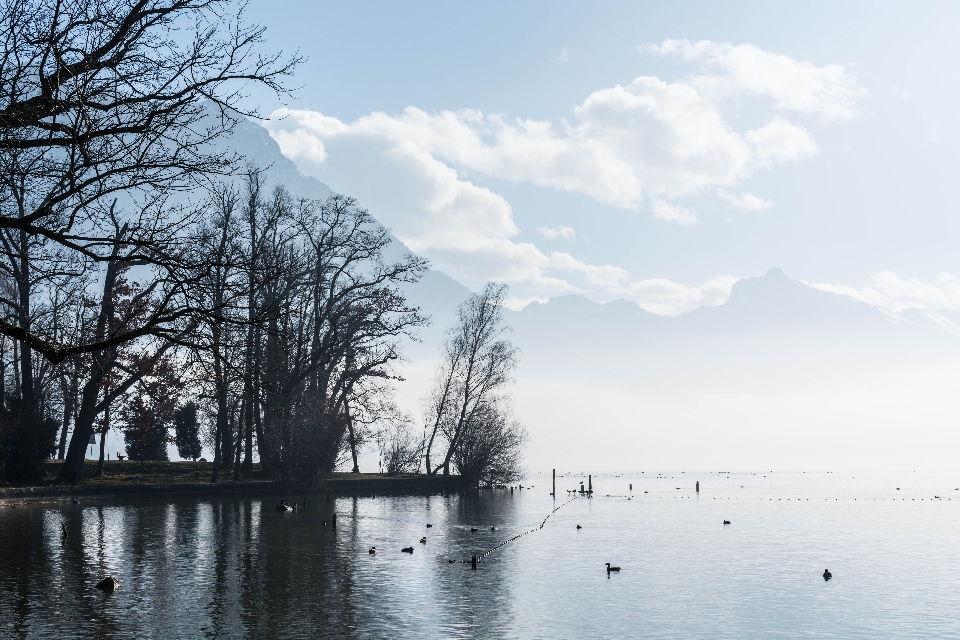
column 114, row 98
column 466, row 405
column 302, row 328
column 109, row 107
column 401, row 451
column 490, row 446
column 334, row 318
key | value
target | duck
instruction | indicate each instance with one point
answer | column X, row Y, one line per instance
column 579, row 527
column 423, row 540
column 108, row 584
column 429, row 525
column 451, row 561
column 407, row 550
column 372, row 551
column 826, row 574
column 609, row 568
column 726, row 522
column 493, row 528
column 473, row 529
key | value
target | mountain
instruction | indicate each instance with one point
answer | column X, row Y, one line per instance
column 780, row 376
column 767, row 310
column 437, row 294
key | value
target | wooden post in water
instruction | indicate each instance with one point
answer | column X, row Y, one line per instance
column 589, row 484
column 554, row 493
column 698, row 486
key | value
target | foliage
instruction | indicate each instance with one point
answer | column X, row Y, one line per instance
column 13, row 447
column 187, row 432
column 148, row 411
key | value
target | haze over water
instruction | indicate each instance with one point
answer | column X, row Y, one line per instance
column 233, row 568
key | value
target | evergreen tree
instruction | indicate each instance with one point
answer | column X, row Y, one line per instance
column 146, row 439
column 148, row 412
column 187, row 432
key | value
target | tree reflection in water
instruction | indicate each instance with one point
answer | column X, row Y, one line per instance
column 237, row 568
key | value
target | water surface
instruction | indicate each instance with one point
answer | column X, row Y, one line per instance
column 237, row 568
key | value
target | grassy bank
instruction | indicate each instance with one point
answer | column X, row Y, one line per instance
column 153, row 473
column 129, row 472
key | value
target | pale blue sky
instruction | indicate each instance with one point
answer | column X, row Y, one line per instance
column 867, row 188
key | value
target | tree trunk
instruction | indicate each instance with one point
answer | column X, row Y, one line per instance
column 69, row 406
column 30, row 464
column 239, row 445
column 103, row 441
column 72, row 470
column 221, row 429
column 353, row 438
column 102, row 362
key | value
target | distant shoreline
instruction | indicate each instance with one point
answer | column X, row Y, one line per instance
column 122, row 479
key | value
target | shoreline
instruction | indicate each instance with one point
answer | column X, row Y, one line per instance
column 180, row 479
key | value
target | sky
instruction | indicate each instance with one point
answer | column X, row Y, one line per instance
column 655, row 152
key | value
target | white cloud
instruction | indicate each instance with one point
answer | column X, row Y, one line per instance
column 666, row 297
column 674, row 213
column 656, row 295
column 780, row 141
column 830, row 91
column 647, row 145
column 553, row 233
column 650, row 137
column 563, row 55
column 746, row 201
column 894, row 293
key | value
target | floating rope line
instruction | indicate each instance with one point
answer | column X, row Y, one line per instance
column 520, row 535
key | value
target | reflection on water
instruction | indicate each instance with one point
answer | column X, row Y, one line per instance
column 231, row 568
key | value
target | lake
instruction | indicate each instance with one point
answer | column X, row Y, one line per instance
column 238, row 568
